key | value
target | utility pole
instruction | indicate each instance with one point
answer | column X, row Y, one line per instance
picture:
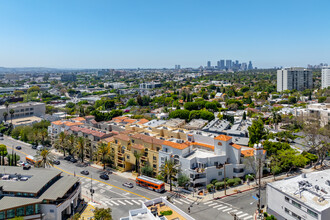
column 258, row 150
column 259, row 188
column 91, row 189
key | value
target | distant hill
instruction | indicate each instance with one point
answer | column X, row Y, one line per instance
column 32, row 70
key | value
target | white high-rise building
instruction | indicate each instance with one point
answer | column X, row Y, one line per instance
column 294, row 78
column 325, row 77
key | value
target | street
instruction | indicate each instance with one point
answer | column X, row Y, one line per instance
column 111, row 193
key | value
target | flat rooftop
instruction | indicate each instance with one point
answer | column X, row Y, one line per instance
column 201, row 154
column 26, row 104
column 25, row 120
column 154, row 123
column 311, row 193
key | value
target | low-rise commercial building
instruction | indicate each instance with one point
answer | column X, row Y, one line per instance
column 302, row 197
column 22, row 110
column 38, row 193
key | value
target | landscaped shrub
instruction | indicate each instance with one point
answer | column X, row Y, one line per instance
column 230, row 182
column 168, row 212
column 249, row 177
column 219, row 185
column 237, row 181
column 214, row 181
column 209, row 187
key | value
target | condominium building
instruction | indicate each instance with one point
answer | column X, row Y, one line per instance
column 302, row 197
column 38, row 193
column 294, row 78
column 23, row 110
column 325, row 80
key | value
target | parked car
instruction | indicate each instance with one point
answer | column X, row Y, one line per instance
column 34, row 146
column 26, row 166
column 1, row 138
column 18, row 147
column 68, row 158
column 73, row 160
column 56, row 162
column 104, row 176
column 40, row 147
column 129, row 185
column 21, row 163
column 84, row 172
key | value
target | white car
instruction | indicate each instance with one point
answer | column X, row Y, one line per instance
column 129, row 185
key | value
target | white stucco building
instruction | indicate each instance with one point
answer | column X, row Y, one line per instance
column 325, row 78
column 294, row 78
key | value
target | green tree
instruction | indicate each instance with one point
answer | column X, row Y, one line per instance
column 291, row 159
column 244, row 115
column 61, row 142
column 12, row 112
column 5, row 115
column 3, row 149
column 147, row 170
column 81, row 147
column 33, row 89
column 137, row 161
column 183, row 180
column 102, row 214
column 256, row 132
column 103, row 150
column 18, row 93
column 46, row 157
column 169, row 170
column 182, row 114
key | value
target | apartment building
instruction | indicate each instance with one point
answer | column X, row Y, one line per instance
column 206, row 156
column 126, row 144
column 56, row 127
column 325, row 78
column 294, row 78
column 302, row 197
column 22, row 110
column 318, row 111
column 38, row 194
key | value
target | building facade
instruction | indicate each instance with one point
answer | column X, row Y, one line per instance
column 294, row 78
column 325, row 80
column 22, row 110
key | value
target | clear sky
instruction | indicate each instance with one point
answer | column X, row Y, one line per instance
column 162, row 33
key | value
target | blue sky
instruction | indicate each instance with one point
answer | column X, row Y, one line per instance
column 162, row 33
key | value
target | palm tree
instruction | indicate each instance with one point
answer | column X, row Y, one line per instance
column 5, row 115
column 7, row 105
column 12, row 111
column 276, row 118
column 81, row 147
column 169, row 170
column 35, row 136
column 103, row 150
column 61, row 142
column 137, row 161
column 71, row 142
column 43, row 135
column 46, row 158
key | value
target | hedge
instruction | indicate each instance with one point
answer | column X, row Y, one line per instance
column 209, row 187
column 219, row 185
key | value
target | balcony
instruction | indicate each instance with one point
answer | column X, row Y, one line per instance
column 120, row 161
column 144, row 158
column 120, row 154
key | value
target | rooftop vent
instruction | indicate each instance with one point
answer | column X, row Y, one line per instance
column 327, row 182
column 317, row 187
column 303, row 175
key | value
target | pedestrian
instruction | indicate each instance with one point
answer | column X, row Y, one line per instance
column 189, row 209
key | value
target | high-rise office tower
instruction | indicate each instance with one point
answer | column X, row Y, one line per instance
column 208, row 64
column 243, row 66
column 228, row 64
column 222, row 64
column 250, row 67
column 218, row 64
column 294, row 78
column 325, row 77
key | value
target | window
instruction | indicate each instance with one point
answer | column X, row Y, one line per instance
column 36, row 209
column 133, row 141
column 51, row 210
column 127, row 156
column 20, row 211
column 287, row 199
column 2, row 215
column 312, row 213
column 11, row 213
column 29, row 210
column 154, row 166
column 116, row 141
column 220, row 173
column 31, row 109
column 287, row 210
column 157, row 148
column 219, row 143
column 155, row 158
column 296, row 216
column 296, row 204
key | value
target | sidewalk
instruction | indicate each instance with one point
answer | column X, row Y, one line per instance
column 88, row 213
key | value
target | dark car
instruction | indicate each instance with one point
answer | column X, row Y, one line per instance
column 56, row 162
column 34, row 147
column 104, row 176
column 73, row 160
column 68, row 158
column 26, row 166
column 19, row 148
column 129, row 185
column 84, row 172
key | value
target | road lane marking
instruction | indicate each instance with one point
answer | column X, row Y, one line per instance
column 108, row 202
column 114, row 202
column 184, row 201
column 212, row 204
column 232, row 211
column 246, row 218
column 128, row 202
column 240, row 216
column 226, row 210
column 222, row 207
column 176, row 201
column 135, row 202
column 217, row 206
column 238, row 212
column 207, row 202
column 121, row 202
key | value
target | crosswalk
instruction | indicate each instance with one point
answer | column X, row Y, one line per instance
column 120, row 202
column 228, row 208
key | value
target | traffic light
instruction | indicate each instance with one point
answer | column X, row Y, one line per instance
column 258, row 196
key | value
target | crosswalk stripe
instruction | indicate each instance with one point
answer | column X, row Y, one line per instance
column 238, row 212
column 232, row 211
column 246, row 218
column 102, row 190
column 217, row 206
column 226, row 210
column 114, row 203
column 108, row 202
column 240, row 216
column 184, row 201
column 207, row 202
column 128, row 202
column 135, row 202
column 222, row 207
column 212, row 204
column 121, row 202
column 176, row 201
column 141, row 201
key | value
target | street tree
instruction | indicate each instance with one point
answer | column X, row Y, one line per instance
column 102, row 214
column 257, row 132
column 103, row 151
column 46, row 158
column 169, row 170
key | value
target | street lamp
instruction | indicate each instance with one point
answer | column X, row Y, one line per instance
column 91, row 189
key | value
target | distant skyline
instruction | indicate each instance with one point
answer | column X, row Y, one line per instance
column 158, row 34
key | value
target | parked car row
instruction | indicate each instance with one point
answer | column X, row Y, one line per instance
column 71, row 159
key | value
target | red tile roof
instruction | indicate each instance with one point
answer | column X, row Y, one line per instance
column 177, row 145
column 223, row 137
